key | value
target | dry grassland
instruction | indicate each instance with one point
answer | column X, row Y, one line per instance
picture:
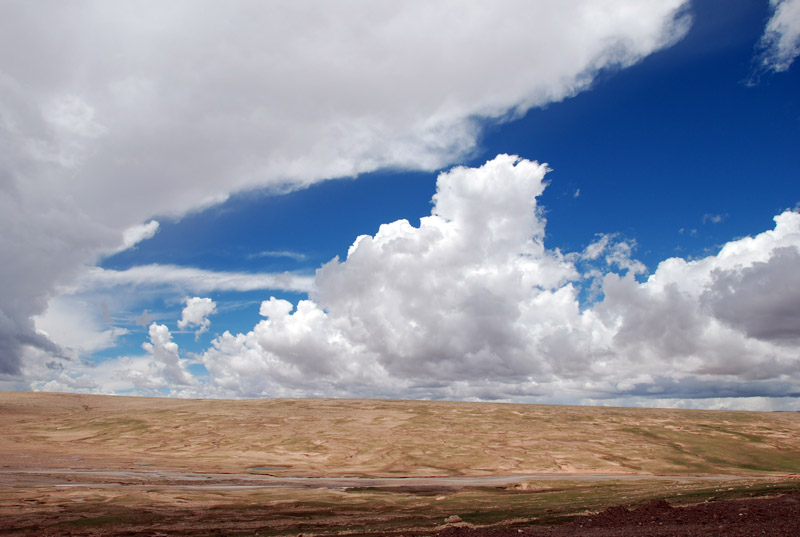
column 64, row 437
column 327, row 437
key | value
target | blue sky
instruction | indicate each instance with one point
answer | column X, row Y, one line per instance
column 678, row 140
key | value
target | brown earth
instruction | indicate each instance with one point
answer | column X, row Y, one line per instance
column 772, row 517
column 377, row 438
column 88, row 465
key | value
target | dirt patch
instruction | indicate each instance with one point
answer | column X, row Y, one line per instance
column 167, row 514
column 777, row 516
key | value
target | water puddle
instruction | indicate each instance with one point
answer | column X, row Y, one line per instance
column 267, row 468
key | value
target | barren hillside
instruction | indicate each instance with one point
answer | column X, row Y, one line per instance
column 326, row 437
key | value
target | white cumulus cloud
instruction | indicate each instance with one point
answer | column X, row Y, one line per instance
column 196, row 314
column 166, row 366
column 470, row 304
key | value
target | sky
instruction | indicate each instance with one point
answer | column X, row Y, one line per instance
column 565, row 202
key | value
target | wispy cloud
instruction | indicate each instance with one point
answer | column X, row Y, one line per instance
column 781, row 39
column 714, row 218
column 297, row 256
column 194, row 279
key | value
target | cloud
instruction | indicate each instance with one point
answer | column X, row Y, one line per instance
column 76, row 327
column 714, row 218
column 192, row 279
column 163, row 109
column 470, row 304
column 297, row 256
column 159, row 371
column 615, row 252
column 450, row 300
column 144, row 319
column 761, row 299
column 781, row 39
column 196, row 313
column 166, row 365
column 136, row 234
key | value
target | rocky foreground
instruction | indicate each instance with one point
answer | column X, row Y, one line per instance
column 772, row 517
column 777, row 516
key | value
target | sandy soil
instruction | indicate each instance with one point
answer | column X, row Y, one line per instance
column 372, row 438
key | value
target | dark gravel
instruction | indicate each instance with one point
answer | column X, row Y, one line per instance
column 761, row 517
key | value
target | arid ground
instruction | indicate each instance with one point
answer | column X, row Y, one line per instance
column 103, row 465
